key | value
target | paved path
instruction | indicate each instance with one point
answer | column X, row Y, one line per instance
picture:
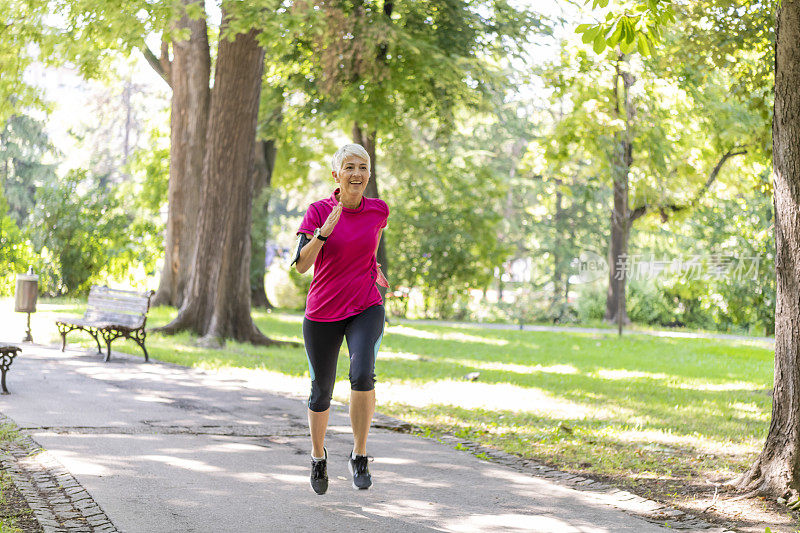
column 163, row 448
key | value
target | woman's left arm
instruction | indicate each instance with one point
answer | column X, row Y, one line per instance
column 382, row 281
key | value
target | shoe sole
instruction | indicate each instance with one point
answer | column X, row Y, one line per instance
column 350, row 468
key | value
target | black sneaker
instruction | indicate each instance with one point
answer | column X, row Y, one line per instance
column 319, row 474
column 360, row 470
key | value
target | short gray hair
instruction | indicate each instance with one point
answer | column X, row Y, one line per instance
column 346, row 151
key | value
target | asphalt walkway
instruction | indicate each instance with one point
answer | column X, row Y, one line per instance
column 162, row 448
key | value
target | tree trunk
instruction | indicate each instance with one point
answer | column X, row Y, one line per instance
column 369, row 142
column 217, row 302
column 189, row 74
column 617, row 253
column 776, row 471
column 558, row 272
column 620, row 215
column 264, row 165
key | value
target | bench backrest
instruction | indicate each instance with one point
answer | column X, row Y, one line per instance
column 123, row 308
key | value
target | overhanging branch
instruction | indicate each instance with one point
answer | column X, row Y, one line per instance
column 664, row 210
column 160, row 67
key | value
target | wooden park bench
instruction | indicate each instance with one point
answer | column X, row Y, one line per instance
column 111, row 314
column 7, row 354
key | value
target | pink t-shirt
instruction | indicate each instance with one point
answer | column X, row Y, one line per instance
column 345, row 269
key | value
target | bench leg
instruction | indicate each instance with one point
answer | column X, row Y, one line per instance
column 108, row 336
column 63, row 331
column 94, row 335
column 139, row 336
column 5, row 363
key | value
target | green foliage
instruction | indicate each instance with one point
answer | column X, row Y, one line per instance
column 24, row 148
column 16, row 253
column 354, row 63
column 81, row 227
column 633, row 26
column 591, row 303
column 149, row 168
column 23, row 28
column 444, row 222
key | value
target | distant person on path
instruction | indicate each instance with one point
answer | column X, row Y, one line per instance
column 340, row 236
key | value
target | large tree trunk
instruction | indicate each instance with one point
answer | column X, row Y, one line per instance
column 264, row 165
column 776, row 472
column 621, row 214
column 190, row 70
column 368, row 141
column 217, row 303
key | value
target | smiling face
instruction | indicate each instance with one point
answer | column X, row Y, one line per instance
column 353, row 176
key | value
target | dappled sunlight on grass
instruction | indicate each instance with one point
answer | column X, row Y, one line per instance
column 604, row 373
column 731, row 386
column 505, row 367
column 696, row 443
column 517, row 369
column 451, row 335
column 471, row 395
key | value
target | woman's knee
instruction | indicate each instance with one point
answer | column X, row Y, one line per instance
column 362, row 380
column 320, row 398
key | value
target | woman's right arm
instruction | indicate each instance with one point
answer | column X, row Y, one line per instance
column 309, row 252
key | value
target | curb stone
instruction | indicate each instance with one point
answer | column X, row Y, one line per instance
column 58, row 501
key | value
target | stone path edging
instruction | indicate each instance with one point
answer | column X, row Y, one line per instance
column 58, row 501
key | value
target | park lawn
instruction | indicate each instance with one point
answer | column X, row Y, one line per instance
column 660, row 410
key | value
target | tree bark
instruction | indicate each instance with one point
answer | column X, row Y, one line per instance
column 217, row 303
column 264, row 165
column 776, row 471
column 189, row 71
column 620, row 215
column 369, row 142
column 556, row 304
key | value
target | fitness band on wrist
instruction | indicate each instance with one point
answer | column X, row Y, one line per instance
column 318, row 236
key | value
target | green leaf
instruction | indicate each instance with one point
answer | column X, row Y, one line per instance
column 630, row 33
column 590, row 35
column 627, row 47
column 615, row 37
column 644, row 48
column 599, row 43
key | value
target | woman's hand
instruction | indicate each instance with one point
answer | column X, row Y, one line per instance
column 382, row 281
column 330, row 223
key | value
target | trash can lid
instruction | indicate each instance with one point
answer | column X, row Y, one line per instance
column 27, row 277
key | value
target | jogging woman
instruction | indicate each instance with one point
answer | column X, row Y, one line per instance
column 340, row 236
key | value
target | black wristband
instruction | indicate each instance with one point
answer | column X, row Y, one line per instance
column 318, row 236
column 302, row 240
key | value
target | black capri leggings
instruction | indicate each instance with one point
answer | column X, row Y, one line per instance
column 363, row 331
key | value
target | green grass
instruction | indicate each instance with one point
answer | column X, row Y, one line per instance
column 13, row 509
column 636, row 406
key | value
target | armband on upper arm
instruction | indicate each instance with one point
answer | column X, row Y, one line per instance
column 302, row 240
